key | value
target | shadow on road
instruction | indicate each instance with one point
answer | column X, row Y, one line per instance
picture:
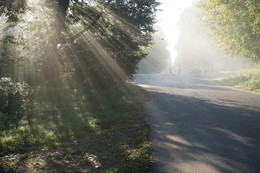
column 203, row 134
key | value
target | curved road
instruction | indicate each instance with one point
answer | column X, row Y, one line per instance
column 197, row 126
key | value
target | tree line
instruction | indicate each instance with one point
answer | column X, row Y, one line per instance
column 235, row 26
column 52, row 51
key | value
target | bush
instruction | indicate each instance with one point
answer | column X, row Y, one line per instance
column 14, row 97
column 249, row 80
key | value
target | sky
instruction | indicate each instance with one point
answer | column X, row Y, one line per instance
column 168, row 19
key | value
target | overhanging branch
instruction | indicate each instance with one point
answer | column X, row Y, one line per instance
column 94, row 23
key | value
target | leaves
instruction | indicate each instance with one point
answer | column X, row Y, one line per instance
column 235, row 25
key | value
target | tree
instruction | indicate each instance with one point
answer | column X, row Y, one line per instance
column 112, row 34
column 69, row 53
column 235, row 25
column 195, row 51
column 58, row 47
column 158, row 57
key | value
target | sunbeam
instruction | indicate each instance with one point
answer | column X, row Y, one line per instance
column 65, row 71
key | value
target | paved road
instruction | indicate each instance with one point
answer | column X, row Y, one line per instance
column 197, row 126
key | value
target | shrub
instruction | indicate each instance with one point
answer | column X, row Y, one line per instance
column 14, row 97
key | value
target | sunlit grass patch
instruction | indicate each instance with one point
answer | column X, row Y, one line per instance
column 138, row 160
column 23, row 137
column 114, row 138
column 249, row 80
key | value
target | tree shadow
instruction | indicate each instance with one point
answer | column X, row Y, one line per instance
column 192, row 130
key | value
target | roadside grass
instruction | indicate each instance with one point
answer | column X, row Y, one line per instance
column 249, row 80
column 102, row 135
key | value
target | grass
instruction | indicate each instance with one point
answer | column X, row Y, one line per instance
column 249, row 80
column 107, row 135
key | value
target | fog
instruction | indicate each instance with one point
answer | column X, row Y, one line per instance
column 158, row 58
column 194, row 50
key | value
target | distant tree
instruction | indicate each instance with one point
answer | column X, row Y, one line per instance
column 158, row 57
column 235, row 24
column 195, row 51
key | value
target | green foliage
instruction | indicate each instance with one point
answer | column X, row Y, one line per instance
column 124, row 137
column 54, row 49
column 47, row 122
column 249, row 80
column 139, row 160
column 125, row 31
column 235, row 25
column 75, row 64
column 13, row 103
column 195, row 51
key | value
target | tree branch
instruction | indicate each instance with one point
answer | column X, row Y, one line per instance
column 94, row 23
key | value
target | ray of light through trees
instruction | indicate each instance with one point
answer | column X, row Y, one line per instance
column 62, row 60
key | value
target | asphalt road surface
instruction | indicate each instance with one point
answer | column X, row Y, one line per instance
column 197, row 126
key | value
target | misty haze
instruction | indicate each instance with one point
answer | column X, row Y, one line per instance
column 130, row 86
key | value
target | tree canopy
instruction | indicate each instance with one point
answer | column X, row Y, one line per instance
column 64, row 53
column 195, row 51
column 112, row 34
column 235, row 25
column 64, row 70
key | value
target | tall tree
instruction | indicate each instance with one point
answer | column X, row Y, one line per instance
column 84, row 31
column 195, row 51
column 61, row 48
column 235, row 25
